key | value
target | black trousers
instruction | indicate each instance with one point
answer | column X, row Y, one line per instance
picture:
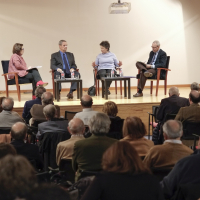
column 103, row 72
column 34, row 76
column 73, row 85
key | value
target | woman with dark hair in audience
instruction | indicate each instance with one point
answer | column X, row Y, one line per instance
column 133, row 132
column 6, row 149
column 18, row 64
column 17, row 177
column 124, row 177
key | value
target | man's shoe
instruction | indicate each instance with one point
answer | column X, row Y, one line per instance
column 138, row 95
column 41, row 83
column 70, row 95
column 148, row 74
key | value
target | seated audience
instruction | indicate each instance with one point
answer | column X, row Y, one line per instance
column 192, row 112
column 110, row 108
column 28, row 104
column 170, row 105
column 48, row 192
column 169, row 153
column 134, row 131
column 65, row 149
column 88, row 153
column 17, row 177
column 7, row 116
column 37, row 110
column 124, row 177
column 88, row 112
column 1, row 100
column 6, row 149
column 52, row 124
column 30, row 151
column 194, row 86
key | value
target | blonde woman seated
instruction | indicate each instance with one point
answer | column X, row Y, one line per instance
column 133, row 132
column 124, row 177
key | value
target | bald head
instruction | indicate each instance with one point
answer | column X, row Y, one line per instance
column 172, row 129
column 194, row 96
column 86, row 101
column 7, row 104
column 174, row 91
column 47, row 98
column 76, row 126
column 18, row 131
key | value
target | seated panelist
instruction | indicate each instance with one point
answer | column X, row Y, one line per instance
column 106, row 61
column 64, row 61
column 18, row 64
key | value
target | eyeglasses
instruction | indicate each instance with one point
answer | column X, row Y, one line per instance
column 154, row 47
column 22, row 49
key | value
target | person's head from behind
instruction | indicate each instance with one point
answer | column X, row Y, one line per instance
column 18, row 49
column 122, row 157
column 49, row 192
column 1, row 100
column 172, row 129
column 174, row 91
column 99, row 124
column 6, row 149
column 18, row 131
column 17, row 177
column 110, row 108
column 76, row 126
column 7, row 104
column 62, row 45
column 194, row 97
column 134, row 128
column 49, row 111
column 39, row 91
column 105, row 46
column 155, row 46
column 47, row 98
column 86, row 101
column 194, row 86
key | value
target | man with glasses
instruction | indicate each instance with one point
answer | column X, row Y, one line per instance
column 64, row 61
column 157, row 59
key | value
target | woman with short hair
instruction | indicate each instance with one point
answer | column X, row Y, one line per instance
column 18, row 64
column 124, row 177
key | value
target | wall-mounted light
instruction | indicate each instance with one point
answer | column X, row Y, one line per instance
column 120, row 8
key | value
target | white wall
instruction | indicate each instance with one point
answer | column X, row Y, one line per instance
column 39, row 25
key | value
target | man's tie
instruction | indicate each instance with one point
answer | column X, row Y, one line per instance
column 152, row 61
column 66, row 64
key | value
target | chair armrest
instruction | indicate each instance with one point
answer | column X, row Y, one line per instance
column 164, row 69
column 10, row 73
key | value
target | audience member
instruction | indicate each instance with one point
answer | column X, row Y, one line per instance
column 7, row 116
column 192, row 112
column 65, row 149
column 110, row 108
column 17, row 177
column 124, row 177
column 52, row 124
column 88, row 153
column 30, row 151
column 28, row 104
column 48, row 192
column 37, row 110
column 6, row 149
column 1, row 100
column 169, row 153
column 170, row 105
column 194, row 86
column 134, row 131
column 88, row 112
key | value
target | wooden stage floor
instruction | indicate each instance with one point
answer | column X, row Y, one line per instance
column 127, row 107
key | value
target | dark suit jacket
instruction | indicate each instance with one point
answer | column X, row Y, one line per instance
column 171, row 105
column 30, row 151
column 27, row 107
column 160, row 60
column 88, row 153
column 57, row 62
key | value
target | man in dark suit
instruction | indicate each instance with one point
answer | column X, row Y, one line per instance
column 170, row 105
column 64, row 61
column 30, row 151
column 52, row 124
column 28, row 104
column 157, row 59
column 88, row 153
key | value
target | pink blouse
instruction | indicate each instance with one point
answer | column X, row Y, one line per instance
column 17, row 64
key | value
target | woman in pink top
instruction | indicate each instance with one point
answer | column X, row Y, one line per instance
column 134, row 131
column 17, row 64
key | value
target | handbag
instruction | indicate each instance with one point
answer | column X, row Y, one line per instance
column 92, row 89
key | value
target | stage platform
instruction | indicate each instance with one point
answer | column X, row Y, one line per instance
column 127, row 107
